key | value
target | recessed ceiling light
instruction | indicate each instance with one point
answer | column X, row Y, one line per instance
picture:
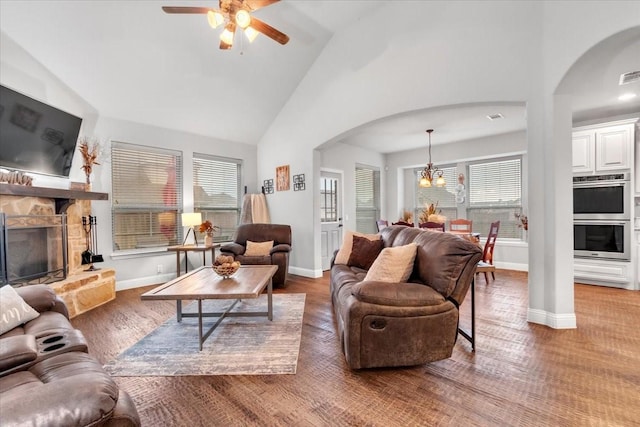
column 495, row 116
column 627, row 96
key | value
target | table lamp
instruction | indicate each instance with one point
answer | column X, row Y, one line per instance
column 191, row 220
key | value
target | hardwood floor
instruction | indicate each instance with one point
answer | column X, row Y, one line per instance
column 522, row 374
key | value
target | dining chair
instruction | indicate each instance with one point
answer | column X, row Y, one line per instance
column 486, row 264
column 382, row 223
column 408, row 224
column 433, row 226
column 460, row 225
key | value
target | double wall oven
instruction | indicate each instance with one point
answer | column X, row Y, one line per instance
column 601, row 216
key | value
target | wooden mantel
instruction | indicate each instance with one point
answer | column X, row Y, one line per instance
column 63, row 198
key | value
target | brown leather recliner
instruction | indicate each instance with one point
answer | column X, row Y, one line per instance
column 402, row 324
column 47, row 377
column 278, row 255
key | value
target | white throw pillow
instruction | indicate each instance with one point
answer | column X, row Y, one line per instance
column 393, row 265
column 343, row 255
column 258, row 248
column 14, row 311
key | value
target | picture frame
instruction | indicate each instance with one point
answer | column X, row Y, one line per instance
column 267, row 184
column 298, row 182
column 282, row 178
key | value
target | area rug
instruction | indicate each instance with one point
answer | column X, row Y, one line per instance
column 238, row 346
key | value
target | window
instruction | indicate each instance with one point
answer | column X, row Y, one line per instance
column 146, row 196
column 367, row 199
column 445, row 197
column 328, row 199
column 495, row 193
column 217, row 193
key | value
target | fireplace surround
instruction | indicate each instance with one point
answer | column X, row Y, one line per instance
column 81, row 290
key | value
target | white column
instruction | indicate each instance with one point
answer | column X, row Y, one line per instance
column 551, row 297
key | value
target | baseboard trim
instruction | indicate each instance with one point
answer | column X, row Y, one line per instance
column 512, row 266
column 552, row 320
column 157, row 279
column 305, row 272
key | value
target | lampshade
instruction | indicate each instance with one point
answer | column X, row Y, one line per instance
column 227, row 35
column 243, row 19
column 191, row 219
column 215, row 19
column 251, row 34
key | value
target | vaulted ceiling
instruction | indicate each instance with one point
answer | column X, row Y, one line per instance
column 131, row 61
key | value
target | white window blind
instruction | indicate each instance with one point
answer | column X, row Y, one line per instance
column 146, row 196
column 495, row 194
column 217, row 192
column 367, row 198
column 444, row 197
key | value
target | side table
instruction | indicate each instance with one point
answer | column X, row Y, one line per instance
column 192, row 248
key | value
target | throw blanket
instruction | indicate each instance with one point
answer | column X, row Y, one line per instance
column 254, row 209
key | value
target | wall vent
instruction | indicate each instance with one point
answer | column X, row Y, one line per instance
column 495, row 116
column 630, row 77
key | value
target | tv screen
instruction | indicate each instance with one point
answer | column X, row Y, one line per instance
column 36, row 137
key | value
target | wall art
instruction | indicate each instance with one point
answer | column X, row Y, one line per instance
column 282, row 178
column 267, row 184
column 298, row 182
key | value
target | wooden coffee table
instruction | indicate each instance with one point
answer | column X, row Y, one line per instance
column 203, row 283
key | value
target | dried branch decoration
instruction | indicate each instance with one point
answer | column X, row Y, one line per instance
column 90, row 150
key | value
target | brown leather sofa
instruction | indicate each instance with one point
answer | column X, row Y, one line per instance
column 403, row 324
column 278, row 255
column 48, row 379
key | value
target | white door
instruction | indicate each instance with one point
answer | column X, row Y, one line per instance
column 330, row 216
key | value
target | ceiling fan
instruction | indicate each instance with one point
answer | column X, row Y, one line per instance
column 233, row 14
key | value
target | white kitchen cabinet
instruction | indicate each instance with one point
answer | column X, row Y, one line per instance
column 603, row 148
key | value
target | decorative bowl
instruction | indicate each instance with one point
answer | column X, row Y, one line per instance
column 225, row 271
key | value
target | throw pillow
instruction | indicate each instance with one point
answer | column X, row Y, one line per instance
column 258, row 248
column 393, row 265
column 14, row 311
column 364, row 252
column 343, row 255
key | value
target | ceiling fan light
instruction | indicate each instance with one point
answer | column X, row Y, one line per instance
column 243, row 19
column 251, row 34
column 227, row 36
column 215, row 18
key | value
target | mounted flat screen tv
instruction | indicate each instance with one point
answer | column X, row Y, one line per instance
column 36, row 137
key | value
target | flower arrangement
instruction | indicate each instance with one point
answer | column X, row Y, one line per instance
column 523, row 221
column 208, row 228
column 407, row 216
column 90, row 150
column 432, row 214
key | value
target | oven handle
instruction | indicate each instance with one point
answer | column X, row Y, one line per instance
column 600, row 184
column 601, row 222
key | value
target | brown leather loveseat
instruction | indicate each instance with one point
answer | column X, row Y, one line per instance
column 278, row 254
column 403, row 324
column 48, row 379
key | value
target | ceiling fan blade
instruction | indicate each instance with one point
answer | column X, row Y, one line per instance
column 268, row 31
column 259, row 4
column 186, row 9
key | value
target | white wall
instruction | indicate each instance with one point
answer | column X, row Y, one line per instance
column 345, row 157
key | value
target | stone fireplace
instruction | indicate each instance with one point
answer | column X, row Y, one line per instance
column 81, row 290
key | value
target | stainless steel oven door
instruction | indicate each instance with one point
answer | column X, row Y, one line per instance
column 602, row 240
column 602, row 200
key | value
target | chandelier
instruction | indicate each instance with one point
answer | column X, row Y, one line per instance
column 431, row 172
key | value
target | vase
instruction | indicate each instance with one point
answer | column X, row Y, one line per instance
column 208, row 239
